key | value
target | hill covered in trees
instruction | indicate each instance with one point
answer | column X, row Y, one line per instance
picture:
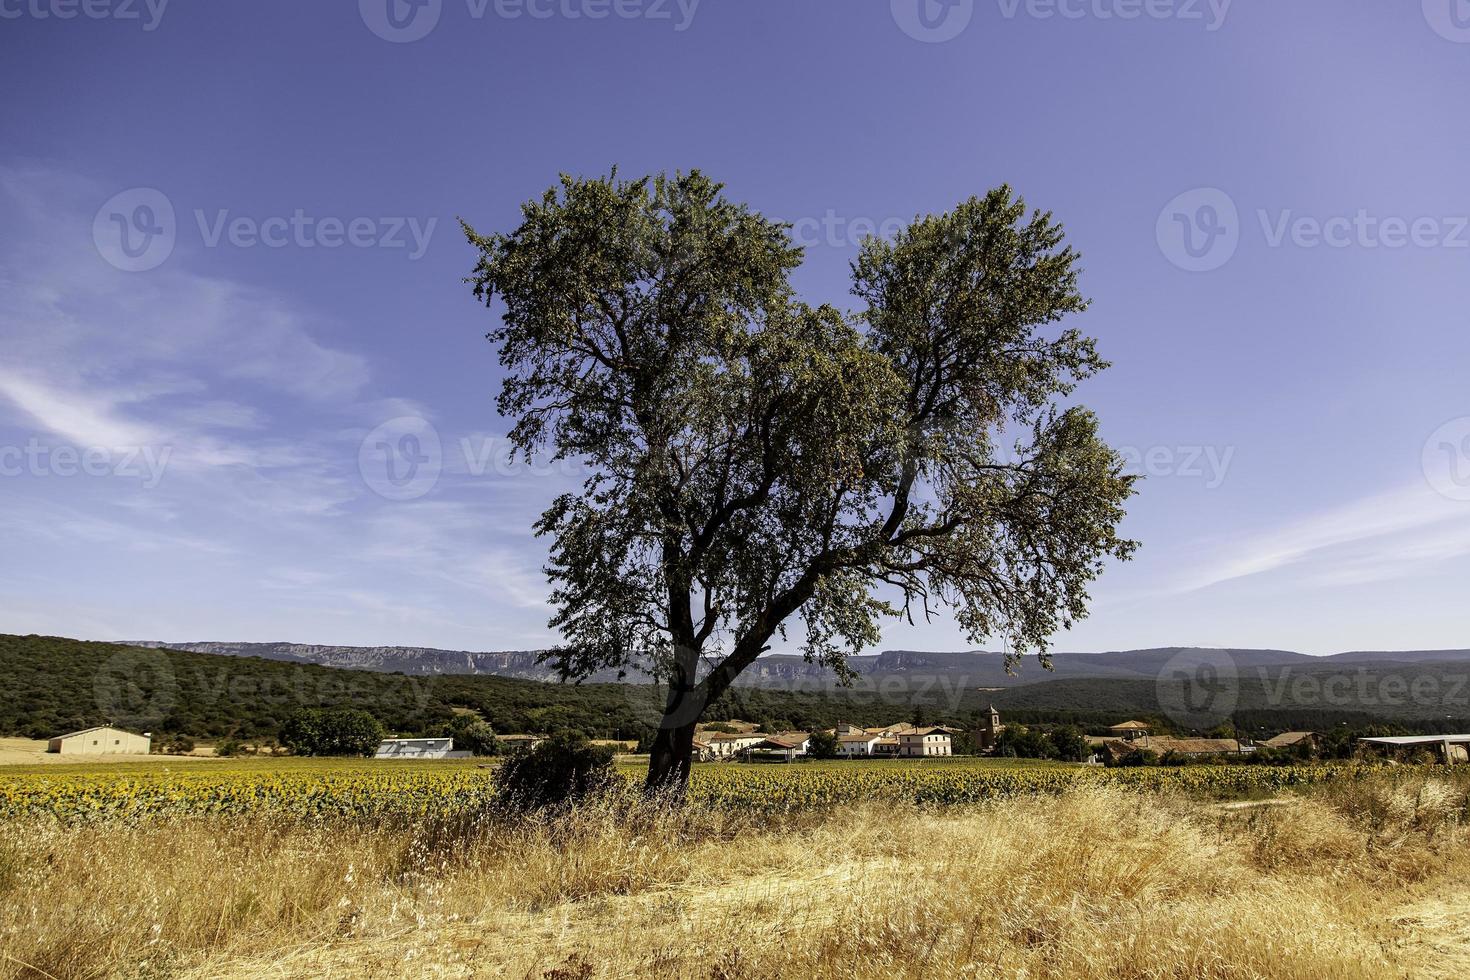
column 55, row 685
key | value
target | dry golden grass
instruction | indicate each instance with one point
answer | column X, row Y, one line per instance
column 1363, row 881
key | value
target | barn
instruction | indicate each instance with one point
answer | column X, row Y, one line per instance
column 101, row 741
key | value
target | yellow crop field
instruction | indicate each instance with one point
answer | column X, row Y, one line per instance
column 366, row 788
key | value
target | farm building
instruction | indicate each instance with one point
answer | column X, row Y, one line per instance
column 787, row 745
column 419, row 748
column 1450, row 748
column 101, row 741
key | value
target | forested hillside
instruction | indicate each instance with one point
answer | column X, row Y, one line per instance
column 55, row 685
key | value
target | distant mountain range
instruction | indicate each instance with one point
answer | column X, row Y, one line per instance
column 973, row 669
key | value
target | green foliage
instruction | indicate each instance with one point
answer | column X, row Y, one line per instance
column 1065, row 743
column 332, row 732
column 52, row 687
column 1070, row 744
column 823, row 745
column 562, row 769
column 471, row 734
column 755, row 459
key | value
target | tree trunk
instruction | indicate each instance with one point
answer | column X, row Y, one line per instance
column 670, row 758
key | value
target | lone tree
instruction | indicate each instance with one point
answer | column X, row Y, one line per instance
column 755, row 459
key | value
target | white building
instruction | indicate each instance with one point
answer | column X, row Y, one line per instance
column 101, row 741
column 925, row 742
column 859, row 744
column 419, row 748
column 725, row 745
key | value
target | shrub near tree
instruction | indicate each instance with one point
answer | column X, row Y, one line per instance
column 177, row 745
column 563, row 769
column 332, row 732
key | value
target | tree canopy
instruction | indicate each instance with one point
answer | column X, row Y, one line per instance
column 755, row 460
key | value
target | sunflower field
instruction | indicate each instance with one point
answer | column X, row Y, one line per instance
column 310, row 788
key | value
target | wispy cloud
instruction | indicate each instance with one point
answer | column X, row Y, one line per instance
column 263, row 507
column 1384, row 536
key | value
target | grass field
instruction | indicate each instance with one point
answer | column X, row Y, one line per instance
column 1059, row 872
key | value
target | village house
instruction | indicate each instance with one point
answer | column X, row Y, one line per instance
column 1294, row 740
column 1129, row 731
column 727, row 745
column 1133, row 736
column 926, row 741
column 1164, row 745
column 860, row 743
column 103, row 740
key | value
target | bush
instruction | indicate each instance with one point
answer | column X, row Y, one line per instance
column 332, row 731
column 177, row 745
column 564, row 768
column 228, row 747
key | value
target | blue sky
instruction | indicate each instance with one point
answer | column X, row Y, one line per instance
column 232, row 272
